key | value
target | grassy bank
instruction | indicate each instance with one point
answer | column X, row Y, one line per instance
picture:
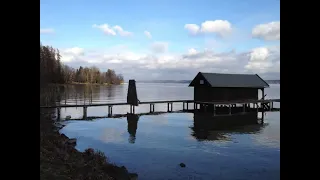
column 60, row 160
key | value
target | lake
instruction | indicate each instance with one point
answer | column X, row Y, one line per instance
column 154, row 145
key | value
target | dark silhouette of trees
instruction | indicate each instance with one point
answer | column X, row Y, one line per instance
column 53, row 71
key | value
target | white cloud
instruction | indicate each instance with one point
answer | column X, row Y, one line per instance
column 221, row 28
column 192, row 51
column 192, row 28
column 261, row 61
column 115, row 61
column 148, row 34
column 159, row 47
column 265, row 61
column 70, row 54
column 105, row 28
column 268, row 32
column 112, row 31
column 46, row 31
column 122, row 32
column 76, row 51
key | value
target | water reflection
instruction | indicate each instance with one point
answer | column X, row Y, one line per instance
column 110, row 91
column 219, row 128
column 132, row 120
column 49, row 95
column 84, row 94
column 166, row 140
column 207, row 127
column 112, row 135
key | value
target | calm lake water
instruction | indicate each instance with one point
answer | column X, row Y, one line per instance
column 154, row 145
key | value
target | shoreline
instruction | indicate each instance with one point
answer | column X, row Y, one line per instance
column 91, row 84
column 59, row 159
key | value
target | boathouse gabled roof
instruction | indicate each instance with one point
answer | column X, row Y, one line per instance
column 230, row 80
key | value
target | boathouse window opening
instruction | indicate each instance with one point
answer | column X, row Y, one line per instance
column 201, row 81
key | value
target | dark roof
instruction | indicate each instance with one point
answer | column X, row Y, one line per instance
column 232, row 80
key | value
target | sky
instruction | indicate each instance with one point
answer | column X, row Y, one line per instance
column 165, row 40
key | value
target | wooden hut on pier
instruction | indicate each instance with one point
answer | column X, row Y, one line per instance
column 216, row 87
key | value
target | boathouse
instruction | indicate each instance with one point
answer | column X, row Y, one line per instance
column 216, row 87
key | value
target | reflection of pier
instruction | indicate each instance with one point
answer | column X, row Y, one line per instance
column 208, row 127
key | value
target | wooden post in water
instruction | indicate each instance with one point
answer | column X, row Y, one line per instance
column 229, row 108
column 214, row 109
column 84, row 96
column 131, row 109
column 262, row 93
column 132, row 97
column 58, row 113
column 65, row 95
column 76, row 98
column 151, row 108
column 85, row 112
column 109, row 111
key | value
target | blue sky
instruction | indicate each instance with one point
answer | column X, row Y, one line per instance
column 69, row 26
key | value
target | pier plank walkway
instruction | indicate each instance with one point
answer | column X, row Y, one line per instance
column 160, row 102
column 112, row 104
column 228, row 107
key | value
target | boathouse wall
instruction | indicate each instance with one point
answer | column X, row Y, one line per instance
column 214, row 94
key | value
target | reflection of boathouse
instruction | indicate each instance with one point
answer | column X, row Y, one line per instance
column 208, row 127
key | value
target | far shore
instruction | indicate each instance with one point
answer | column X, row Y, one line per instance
column 91, row 84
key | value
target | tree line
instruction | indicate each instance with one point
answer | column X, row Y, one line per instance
column 52, row 70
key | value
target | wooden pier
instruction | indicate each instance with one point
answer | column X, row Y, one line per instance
column 213, row 93
column 228, row 107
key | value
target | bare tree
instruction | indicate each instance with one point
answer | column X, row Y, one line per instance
column 53, row 71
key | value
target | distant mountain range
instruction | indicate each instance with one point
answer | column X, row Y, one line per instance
column 188, row 81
